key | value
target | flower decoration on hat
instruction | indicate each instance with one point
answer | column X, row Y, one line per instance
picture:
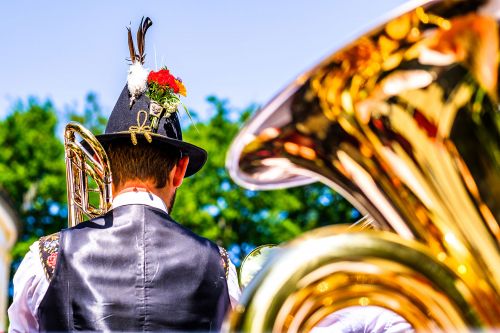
column 163, row 89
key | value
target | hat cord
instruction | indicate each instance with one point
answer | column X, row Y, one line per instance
column 140, row 128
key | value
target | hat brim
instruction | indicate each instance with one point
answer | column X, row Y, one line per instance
column 197, row 155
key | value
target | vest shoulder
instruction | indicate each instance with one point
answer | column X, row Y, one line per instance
column 205, row 242
column 48, row 248
column 171, row 222
column 224, row 260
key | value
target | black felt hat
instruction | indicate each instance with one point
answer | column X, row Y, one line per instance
column 127, row 122
column 134, row 111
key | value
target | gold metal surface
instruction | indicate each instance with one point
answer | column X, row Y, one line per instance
column 253, row 263
column 405, row 123
column 331, row 268
column 87, row 171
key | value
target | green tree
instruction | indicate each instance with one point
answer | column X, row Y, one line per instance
column 211, row 204
column 32, row 168
column 92, row 116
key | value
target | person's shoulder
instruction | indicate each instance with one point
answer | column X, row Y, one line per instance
column 172, row 223
column 48, row 249
column 189, row 233
column 225, row 261
column 99, row 222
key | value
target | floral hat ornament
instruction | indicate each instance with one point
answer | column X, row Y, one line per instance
column 147, row 107
column 161, row 87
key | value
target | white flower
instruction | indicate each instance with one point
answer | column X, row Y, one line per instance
column 137, row 80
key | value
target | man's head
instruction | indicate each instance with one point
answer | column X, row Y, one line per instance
column 155, row 168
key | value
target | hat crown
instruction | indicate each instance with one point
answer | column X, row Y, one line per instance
column 124, row 117
column 147, row 108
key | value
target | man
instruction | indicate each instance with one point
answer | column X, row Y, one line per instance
column 134, row 268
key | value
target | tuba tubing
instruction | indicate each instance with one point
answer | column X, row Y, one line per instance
column 85, row 160
column 332, row 268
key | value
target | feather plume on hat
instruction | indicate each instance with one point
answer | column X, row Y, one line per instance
column 137, row 77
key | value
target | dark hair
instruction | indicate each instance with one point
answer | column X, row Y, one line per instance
column 143, row 161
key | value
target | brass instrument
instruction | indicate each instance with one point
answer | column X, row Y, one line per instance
column 405, row 123
column 253, row 263
column 87, row 171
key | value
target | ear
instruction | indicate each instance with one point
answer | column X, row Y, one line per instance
column 180, row 171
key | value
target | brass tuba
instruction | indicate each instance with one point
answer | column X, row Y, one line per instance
column 405, row 123
column 87, row 171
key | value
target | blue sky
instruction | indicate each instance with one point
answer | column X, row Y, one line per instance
column 245, row 51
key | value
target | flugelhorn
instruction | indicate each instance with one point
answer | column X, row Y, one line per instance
column 87, row 171
column 404, row 122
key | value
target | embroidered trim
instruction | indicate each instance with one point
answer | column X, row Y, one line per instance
column 49, row 249
column 140, row 128
column 225, row 260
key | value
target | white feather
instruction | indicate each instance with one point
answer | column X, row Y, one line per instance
column 137, row 80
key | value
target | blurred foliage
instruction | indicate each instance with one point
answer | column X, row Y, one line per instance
column 32, row 171
column 92, row 116
column 32, row 167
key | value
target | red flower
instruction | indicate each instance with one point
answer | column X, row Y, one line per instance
column 164, row 79
column 52, row 260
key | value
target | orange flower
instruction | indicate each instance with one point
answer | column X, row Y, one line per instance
column 182, row 88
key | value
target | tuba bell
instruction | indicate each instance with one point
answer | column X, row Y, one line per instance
column 87, row 172
column 404, row 122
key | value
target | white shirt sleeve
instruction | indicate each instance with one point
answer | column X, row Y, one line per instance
column 363, row 319
column 30, row 286
column 233, row 285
